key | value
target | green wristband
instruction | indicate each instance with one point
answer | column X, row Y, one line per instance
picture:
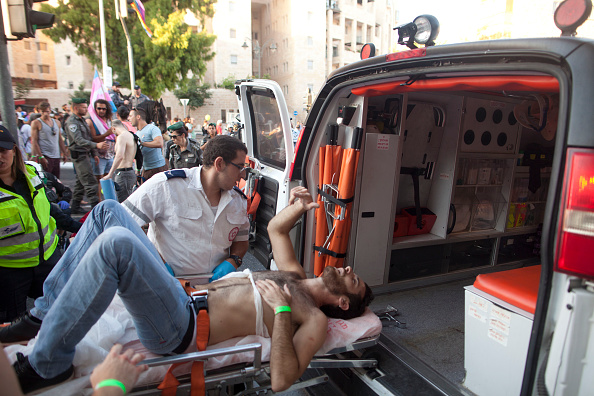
column 111, row 382
column 282, row 308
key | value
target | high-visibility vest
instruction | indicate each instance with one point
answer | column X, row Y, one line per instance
column 26, row 233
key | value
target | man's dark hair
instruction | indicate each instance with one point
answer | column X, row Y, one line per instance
column 222, row 146
column 357, row 306
column 108, row 113
column 123, row 112
column 141, row 112
column 43, row 106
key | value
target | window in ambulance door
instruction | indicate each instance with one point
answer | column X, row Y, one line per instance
column 269, row 140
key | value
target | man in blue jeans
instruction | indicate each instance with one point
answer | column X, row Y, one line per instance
column 111, row 254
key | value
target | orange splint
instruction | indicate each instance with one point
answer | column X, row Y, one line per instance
column 518, row 287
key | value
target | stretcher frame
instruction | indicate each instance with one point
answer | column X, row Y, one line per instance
column 255, row 375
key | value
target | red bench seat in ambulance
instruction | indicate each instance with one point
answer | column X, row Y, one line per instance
column 518, row 287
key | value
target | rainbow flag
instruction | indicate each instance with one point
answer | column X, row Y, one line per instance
column 139, row 8
column 98, row 91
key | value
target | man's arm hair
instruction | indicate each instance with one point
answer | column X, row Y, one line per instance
column 290, row 357
column 280, row 226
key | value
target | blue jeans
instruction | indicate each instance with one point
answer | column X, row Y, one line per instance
column 110, row 254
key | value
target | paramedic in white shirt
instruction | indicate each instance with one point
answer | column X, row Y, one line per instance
column 197, row 219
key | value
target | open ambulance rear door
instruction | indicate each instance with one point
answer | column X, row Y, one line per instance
column 267, row 135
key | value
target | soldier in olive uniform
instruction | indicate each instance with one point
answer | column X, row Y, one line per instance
column 81, row 146
column 184, row 152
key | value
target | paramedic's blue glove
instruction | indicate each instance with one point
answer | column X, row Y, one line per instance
column 63, row 205
column 169, row 269
column 221, row 270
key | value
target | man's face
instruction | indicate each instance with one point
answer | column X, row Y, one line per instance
column 81, row 109
column 116, row 88
column 232, row 172
column 341, row 281
column 137, row 92
column 211, row 130
column 101, row 109
column 133, row 119
column 45, row 113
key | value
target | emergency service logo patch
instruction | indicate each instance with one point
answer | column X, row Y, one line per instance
column 233, row 234
column 72, row 128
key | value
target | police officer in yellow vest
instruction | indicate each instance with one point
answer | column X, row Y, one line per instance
column 27, row 231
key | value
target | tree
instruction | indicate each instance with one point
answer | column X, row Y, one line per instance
column 80, row 93
column 195, row 92
column 228, row 82
column 161, row 62
column 22, row 89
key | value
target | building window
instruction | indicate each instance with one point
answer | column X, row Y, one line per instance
column 27, row 45
column 42, row 46
column 223, row 114
column 310, row 88
column 232, row 33
column 310, row 17
column 255, row 35
column 286, row 89
column 231, row 6
column 70, row 85
column 68, row 60
column 233, row 59
column 44, row 69
column 360, row 2
column 309, row 40
column 309, row 65
column 29, row 68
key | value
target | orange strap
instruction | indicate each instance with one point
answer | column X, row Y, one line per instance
column 168, row 386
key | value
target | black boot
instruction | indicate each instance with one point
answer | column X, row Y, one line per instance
column 31, row 381
column 21, row 329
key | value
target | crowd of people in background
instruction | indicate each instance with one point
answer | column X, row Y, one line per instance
column 44, row 137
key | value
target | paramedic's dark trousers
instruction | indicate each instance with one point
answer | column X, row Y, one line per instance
column 110, row 254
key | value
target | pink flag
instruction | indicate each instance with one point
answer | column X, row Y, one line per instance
column 98, row 91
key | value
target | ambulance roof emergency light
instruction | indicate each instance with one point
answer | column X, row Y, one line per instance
column 422, row 30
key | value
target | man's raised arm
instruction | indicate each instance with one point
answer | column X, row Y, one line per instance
column 300, row 201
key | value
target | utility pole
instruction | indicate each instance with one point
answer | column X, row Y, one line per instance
column 103, row 42
column 6, row 99
column 122, row 14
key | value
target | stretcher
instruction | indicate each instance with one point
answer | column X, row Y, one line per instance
column 236, row 361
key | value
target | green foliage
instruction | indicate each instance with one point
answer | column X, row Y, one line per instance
column 81, row 93
column 22, row 89
column 228, row 82
column 161, row 62
column 192, row 90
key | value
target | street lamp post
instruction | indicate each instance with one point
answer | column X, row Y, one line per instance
column 258, row 51
column 185, row 103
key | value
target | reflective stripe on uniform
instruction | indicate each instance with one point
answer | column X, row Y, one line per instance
column 136, row 211
column 21, row 239
column 30, row 253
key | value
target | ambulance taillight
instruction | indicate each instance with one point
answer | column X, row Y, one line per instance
column 575, row 250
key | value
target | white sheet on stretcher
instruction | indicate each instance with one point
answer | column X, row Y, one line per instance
column 116, row 326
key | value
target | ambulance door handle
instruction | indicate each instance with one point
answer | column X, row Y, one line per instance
column 368, row 214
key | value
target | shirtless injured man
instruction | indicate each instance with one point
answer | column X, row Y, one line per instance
column 112, row 254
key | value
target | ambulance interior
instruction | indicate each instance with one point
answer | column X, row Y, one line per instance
column 481, row 180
